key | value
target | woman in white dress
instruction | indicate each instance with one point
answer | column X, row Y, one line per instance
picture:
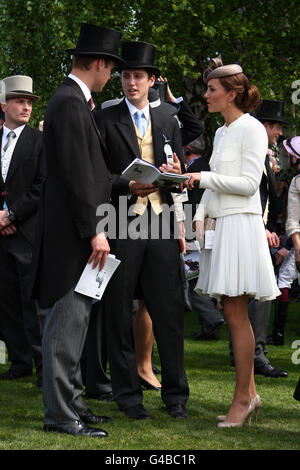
column 238, row 264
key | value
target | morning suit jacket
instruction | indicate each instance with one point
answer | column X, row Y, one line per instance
column 78, row 181
column 21, row 189
column 268, row 194
column 116, row 127
column 192, row 126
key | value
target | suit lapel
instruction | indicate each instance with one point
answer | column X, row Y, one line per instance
column 159, row 136
column 271, row 178
column 1, row 179
column 126, row 129
column 18, row 154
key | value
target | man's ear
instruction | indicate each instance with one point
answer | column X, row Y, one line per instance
column 152, row 80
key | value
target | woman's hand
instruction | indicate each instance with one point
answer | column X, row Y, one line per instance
column 193, row 178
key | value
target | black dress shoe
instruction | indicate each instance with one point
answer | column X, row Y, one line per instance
column 296, row 393
column 157, row 371
column 89, row 418
column 147, row 385
column 101, row 396
column 15, row 374
column 269, row 371
column 137, row 412
column 211, row 333
column 275, row 339
column 76, row 428
column 177, row 411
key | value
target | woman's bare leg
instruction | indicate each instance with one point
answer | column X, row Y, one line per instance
column 236, row 314
column 144, row 339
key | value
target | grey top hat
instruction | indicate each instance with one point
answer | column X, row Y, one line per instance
column 19, row 86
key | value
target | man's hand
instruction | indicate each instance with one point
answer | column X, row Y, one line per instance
column 4, row 220
column 172, row 167
column 280, row 255
column 8, row 230
column 100, row 251
column 141, row 190
column 273, row 239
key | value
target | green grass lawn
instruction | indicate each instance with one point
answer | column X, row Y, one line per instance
column 211, row 380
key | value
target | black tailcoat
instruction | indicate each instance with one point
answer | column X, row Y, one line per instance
column 78, row 181
column 152, row 265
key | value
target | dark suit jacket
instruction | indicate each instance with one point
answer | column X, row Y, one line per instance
column 117, row 129
column 268, row 192
column 192, row 126
column 78, row 181
column 22, row 187
column 198, row 165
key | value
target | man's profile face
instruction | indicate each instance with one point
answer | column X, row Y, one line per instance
column 17, row 111
column 104, row 68
column 274, row 131
column 136, row 84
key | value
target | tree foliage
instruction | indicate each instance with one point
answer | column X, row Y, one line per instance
column 261, row 35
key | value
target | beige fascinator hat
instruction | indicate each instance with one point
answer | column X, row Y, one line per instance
column 216, row 69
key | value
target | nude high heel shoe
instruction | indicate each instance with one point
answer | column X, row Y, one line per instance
column 257, row 405
column 239, row 424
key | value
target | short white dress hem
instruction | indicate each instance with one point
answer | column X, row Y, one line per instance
column 239, row 262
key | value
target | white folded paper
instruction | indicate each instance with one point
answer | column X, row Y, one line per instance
column 93, row 282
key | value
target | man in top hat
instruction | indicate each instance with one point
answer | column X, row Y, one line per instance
column 271, row 114
column 20, row 184
column 149, row 267
column 78, row 181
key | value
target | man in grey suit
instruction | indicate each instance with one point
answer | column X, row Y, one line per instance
column 78, row 181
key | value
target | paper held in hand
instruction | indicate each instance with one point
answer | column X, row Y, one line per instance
column 93, row 282
column 145, row 173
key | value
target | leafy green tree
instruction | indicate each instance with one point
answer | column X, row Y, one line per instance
column 261, row 35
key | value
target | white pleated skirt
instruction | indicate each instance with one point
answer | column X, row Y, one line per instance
column 239, row 261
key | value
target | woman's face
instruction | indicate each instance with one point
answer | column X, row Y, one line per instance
column 217, row 97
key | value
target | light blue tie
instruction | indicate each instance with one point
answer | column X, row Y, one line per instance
column 140, row 122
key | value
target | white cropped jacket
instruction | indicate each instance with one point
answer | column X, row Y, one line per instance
column 237, row 163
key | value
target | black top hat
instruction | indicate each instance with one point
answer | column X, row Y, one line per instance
column 139, row 55
column 98, row 41
column 271, row 111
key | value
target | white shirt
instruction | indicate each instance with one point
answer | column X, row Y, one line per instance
column 133, row 110
column 7, row 156
column 84, row 88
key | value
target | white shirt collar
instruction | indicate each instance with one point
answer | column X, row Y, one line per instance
column 133, row 109
column 17, row 131
column 84, row 88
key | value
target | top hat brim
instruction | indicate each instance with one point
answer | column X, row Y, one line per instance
column 272, row 119
column 16, row 94
column 119, row 62
column 149, row 68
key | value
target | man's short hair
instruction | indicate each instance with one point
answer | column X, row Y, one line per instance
column 85, row 62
